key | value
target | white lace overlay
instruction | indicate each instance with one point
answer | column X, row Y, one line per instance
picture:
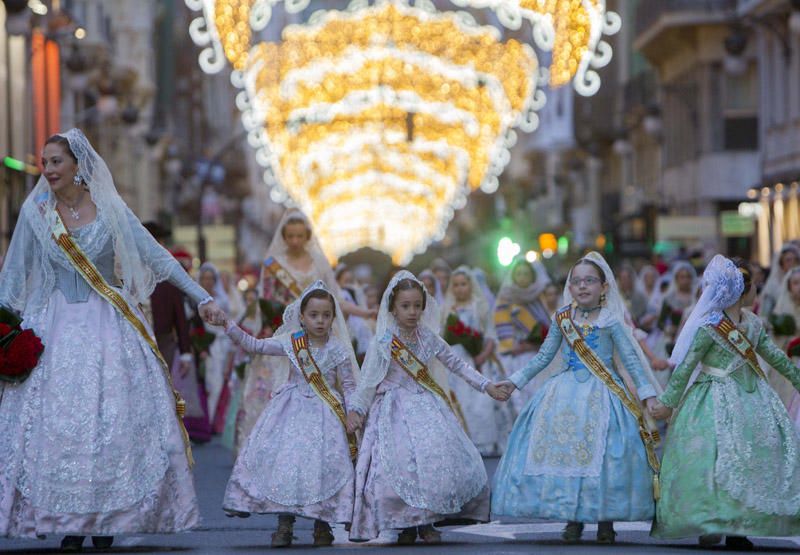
column 569, row 434
column 297, row 453
column 757, row 460
column 88, row 431
column 436, row 468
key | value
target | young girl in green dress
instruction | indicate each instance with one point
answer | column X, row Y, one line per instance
column 730, row 464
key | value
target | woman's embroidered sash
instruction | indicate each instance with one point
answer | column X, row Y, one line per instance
column 507, row 319
column 273, row 268
column 731, row 335
column 416, row 369
column 97, row 282
column 590, row 359
column 316, row 379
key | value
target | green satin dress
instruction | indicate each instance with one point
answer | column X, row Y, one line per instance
column 731, row 460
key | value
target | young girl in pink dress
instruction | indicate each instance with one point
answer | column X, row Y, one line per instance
column 298, row 459
column 416, row 466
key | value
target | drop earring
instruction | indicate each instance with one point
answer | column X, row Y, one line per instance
column 77, row 180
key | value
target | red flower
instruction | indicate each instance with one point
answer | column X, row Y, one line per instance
column 793, row 348
column 5, row 329
column 21, row 355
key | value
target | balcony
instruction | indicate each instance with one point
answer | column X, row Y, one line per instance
column 656, row 17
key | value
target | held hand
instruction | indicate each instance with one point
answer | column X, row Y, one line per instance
column 185, row 366
column 660, row 364
column 354, row 422
column 507, row 388
column 657, row 409
column 496, row 393
column 208, row 311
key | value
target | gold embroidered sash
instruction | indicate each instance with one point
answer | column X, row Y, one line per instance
column 511, row 316
column 590, row 359
column 416, row 369
column 728, row 331
column 319, row 384
column 97, row 282
column 274, row 268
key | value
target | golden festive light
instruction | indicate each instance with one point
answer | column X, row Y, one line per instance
column 378, row 120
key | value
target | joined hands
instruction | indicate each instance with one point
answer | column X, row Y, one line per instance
column 500, row 391
column 213, row 314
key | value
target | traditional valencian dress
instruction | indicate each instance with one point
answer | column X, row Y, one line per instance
column 575, row 453
column 91, row 443
column 298, row 458
column 282, row 283
column 731, row 461
column 488, row 422
column 517, row 312
column 416, row 466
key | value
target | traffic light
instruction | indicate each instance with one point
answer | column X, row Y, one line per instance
column 563, row 245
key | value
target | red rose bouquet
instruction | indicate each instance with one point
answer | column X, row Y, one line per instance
column 457, row 333
column 201, row 339
column 20, row 349
column 538, row 334
column 793, row 348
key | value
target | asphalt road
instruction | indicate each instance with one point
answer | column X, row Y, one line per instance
column 220, row 534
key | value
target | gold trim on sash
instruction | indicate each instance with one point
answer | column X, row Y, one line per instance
column 416, row 369
column 97, row 282
column 319, row 384
column 276, row 270
column 649, row 437
column 739, row 341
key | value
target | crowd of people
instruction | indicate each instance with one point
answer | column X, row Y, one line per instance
column 640, row 393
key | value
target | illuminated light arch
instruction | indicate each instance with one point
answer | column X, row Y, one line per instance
column 379, row 120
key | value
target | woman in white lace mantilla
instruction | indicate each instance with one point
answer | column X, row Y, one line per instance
column 416, row 466
column 91, row 442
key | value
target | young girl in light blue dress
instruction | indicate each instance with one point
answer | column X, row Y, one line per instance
column 576, row 453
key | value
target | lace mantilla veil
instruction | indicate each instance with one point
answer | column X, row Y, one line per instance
column 278, row 249
column 291, row 324
column 723, row 284
column 478, row 301
column 510, row 292
column 28, row 279
column 379, row 355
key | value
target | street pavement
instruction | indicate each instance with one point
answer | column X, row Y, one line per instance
column 220, row 534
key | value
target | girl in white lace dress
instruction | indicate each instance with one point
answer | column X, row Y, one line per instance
column 297, row 460
column 416, row 466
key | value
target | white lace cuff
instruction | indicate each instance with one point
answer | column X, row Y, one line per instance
column 205, row 301
column 186, row 357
